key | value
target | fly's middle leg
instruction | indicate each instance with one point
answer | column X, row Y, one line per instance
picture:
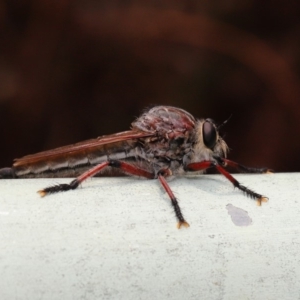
column 161, row 177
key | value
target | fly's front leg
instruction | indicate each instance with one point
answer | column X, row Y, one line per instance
column 212, row 164
column 229, row 163
column 161, row 177
column 127, row 168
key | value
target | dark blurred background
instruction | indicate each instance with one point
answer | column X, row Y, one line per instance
column 74, row 70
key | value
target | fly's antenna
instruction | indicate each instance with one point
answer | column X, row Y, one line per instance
column 224, row 123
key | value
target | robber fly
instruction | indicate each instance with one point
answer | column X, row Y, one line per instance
column 162, row 142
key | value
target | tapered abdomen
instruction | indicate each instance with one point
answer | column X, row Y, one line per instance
column 74, row 163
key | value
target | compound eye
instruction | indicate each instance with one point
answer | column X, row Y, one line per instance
column 209, row 134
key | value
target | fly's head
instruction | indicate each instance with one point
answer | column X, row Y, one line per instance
column 207, row 141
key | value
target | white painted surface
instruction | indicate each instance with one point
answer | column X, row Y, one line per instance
column 116, row 238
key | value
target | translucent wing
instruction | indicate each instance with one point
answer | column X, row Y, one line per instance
column 88, row 152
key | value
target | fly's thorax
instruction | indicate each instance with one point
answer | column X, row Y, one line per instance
column 207, row 142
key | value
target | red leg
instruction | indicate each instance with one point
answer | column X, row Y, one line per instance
column 230, row 163
column 236, row 184
column 207, row 164
column 126, row 167
column 181, row 220
column 198, row 166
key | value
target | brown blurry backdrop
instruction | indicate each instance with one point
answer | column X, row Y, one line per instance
column 73, row 70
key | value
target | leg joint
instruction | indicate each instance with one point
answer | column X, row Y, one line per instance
column 114, row 163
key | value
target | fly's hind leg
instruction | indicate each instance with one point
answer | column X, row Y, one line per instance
column 127, row 168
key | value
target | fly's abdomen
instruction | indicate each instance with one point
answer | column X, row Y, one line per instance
column 73, row 163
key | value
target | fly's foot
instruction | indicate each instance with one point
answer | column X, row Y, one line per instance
column 183, row 223
column 42, row 193
column 261, row 199
column 54, row 189
column 269, row 171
